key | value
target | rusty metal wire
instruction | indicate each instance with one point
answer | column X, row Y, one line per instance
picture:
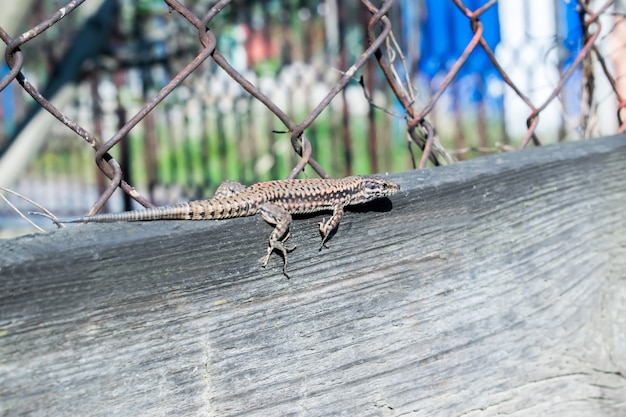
column 381, row 47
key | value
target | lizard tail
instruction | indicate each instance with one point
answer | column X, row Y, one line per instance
column 176, row 212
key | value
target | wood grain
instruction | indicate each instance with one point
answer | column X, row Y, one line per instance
column 494, row 286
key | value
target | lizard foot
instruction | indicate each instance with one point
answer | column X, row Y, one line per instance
column 279, row 246
column 324, row 245
column 325, row 234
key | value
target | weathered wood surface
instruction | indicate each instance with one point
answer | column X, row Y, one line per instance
column 495, row 286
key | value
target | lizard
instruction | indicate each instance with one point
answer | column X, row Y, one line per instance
column 275, row 201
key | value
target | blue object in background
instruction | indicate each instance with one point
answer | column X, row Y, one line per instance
column 570, row 31
column 446, row 32
column 8, row 104
column 435, row 39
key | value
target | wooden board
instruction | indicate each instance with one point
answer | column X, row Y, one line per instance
column 494, row 286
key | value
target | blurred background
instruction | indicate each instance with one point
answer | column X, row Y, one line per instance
column 103, row 61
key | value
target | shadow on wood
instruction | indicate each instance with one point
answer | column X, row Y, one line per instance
column 494, row 286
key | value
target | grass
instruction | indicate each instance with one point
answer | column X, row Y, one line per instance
column 242, row 147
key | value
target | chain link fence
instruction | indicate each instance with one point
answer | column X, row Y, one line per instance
column 173, row 98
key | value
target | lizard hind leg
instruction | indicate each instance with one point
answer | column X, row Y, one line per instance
column 279, row 217
column 279, row 246
column 228, row 189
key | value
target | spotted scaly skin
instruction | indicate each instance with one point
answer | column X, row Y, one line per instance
column 275, row 201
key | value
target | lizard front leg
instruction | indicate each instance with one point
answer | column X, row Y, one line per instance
column 327, row 227
column 279, row 217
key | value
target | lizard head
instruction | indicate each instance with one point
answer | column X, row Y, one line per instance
column 376, row 187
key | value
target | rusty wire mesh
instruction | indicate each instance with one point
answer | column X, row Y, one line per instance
column 381, row 48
